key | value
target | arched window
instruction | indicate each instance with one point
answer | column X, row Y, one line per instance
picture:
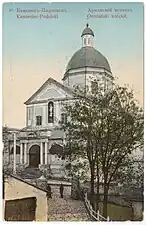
column 84, row 41
column 17, row 150
column 50, row 112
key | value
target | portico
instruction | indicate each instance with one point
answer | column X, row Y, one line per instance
column 36, row 150
column 41, row 149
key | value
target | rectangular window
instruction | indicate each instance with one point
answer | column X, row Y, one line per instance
column 63, row 118
column 38, row 120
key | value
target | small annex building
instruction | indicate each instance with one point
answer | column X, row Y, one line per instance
column 23, row 201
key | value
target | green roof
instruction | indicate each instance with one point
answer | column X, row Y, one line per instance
column 87, row 30
column 88, row 57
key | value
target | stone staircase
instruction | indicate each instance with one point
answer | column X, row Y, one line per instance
column 30, row 173
column 65, row 209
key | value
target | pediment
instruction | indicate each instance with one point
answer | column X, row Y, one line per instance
column 51, row 89
column 50, row 92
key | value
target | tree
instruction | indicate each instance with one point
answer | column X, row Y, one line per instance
column 104, row 127
column 122, row 120
column 132, row 177
column 6, row 160
column 82, row 132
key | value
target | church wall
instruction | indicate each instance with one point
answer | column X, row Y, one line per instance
column 51, row 92
column 87, row 69
column 42, row 110
column 93, row 76
column 78, row 76
column 29, row 115
column 65, row 82
column 109, row 83
column 57, row 112
column 38, row 110
column 103, row 78
column 77, row 79
column 44, row 116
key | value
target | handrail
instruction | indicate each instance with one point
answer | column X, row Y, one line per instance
column 95, row 215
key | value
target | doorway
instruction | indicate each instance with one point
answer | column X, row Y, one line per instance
column 34, row 156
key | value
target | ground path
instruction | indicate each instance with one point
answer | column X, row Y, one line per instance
column 65, row 209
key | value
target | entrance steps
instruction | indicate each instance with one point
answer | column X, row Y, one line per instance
column 30, row 173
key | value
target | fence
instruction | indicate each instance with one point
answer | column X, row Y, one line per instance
column 95, row 215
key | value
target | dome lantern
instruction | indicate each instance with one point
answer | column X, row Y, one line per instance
column 87, row 62
column 87, row 36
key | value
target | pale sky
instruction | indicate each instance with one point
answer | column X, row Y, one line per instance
column 36, row 49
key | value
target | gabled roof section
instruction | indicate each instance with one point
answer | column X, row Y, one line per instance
column 49, row 81
column 24, row 181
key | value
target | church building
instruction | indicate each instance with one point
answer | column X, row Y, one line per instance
column 36, row 145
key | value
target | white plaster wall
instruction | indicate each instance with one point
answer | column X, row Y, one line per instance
column 17, row 159
column 45, row 118
column 57, row 112
column 15, row 189
column 77, row 76
column 39, row 110
column 77, row 79
column 49, row 92
column 29, row 113
column 88, row 69
column 65, row 82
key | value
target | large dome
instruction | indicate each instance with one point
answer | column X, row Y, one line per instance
column 89, row 57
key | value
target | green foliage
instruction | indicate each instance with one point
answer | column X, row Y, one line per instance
column 131, row 177
column 5, row 131
column 78, row 168
column 104, row 127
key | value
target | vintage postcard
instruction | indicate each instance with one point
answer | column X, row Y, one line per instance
column 73, row 120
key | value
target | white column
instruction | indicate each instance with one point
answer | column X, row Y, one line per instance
column 21, row 153
column 41, row 152
column 46, row 155
column 14, row 152
column 49, row 155
column 25, row 152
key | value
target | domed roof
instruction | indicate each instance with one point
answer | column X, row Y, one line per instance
column 89, row 57
column 87, row 30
